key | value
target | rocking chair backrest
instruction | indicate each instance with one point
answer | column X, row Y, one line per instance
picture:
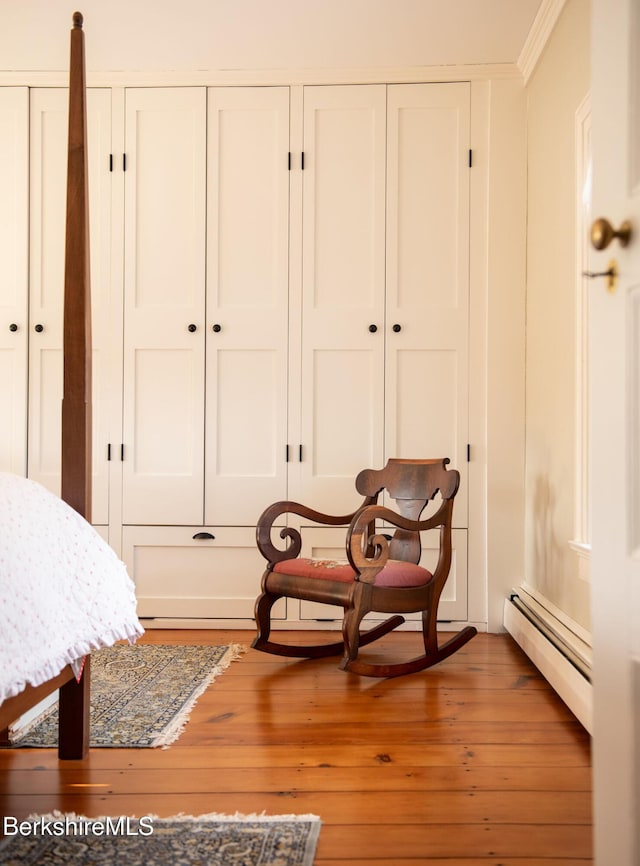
column 412, row 484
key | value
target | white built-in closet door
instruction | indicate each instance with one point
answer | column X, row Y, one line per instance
column 48, row 195
column 14, row 234
column 247, row 302
column 428, row 276
column 342, row 365
column 164, row 294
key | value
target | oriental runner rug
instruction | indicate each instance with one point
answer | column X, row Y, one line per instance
column 219, row 840
column 141, row 695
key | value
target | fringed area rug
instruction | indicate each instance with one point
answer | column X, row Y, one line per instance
column 141, row 695
column 209, row 840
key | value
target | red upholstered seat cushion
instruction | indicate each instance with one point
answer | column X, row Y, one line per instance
column 395, row 573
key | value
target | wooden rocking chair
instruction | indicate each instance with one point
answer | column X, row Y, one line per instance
column 381, row 572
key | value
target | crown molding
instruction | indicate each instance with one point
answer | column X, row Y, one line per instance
column 263, row 77
column 541, row 30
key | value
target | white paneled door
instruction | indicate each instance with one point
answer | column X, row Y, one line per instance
column 164, row 292
column 48, row 173
column 614, row 369
column 14, row 234
column 427, row 284
column 247, row 302
column 385, row 284
column 343, row 227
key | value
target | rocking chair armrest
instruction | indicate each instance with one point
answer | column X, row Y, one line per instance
column 269, row 516
column 368, row 550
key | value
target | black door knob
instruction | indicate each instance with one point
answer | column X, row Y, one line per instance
column 373, row 328
column 13, row 327
column 39, row 328
column 397, row 328
column 193, row 328
column 217, row 328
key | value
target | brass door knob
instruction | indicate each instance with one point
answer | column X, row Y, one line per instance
column 602, row 233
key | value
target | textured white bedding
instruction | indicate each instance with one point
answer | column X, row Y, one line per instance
column 64, row 592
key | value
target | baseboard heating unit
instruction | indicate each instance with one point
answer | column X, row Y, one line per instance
column 561, row 656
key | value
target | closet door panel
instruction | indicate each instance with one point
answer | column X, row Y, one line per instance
column 247, row 302
column 346, row 429
column 342, row 368
column 163, row 415
column 433, row 374
column 428, row 276
column 14, row 226
column 48, row 173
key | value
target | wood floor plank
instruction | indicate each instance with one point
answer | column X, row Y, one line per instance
column 351, row 807
column 248, row 731
column 477, row 678
column 302, row 706
column 458, row 861
column 387, row 778
column 554, row 757
column 397, row 842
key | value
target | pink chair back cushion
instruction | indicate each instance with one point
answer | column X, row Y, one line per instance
column 395, row 573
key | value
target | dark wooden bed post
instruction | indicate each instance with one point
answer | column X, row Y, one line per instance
column 76, row 402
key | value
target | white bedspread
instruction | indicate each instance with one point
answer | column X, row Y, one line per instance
column 64, row 592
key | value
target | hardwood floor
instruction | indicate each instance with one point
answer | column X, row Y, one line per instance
column 476, row 761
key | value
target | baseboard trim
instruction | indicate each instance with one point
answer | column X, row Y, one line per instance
column 563, row 670
column 286, row 624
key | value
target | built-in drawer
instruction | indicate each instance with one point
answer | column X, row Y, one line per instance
column 195, row 572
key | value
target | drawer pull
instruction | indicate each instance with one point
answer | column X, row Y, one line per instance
column 203, row 536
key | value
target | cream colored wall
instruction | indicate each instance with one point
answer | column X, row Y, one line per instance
column 160, row 35
column 554, row 92
column 505, row 350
